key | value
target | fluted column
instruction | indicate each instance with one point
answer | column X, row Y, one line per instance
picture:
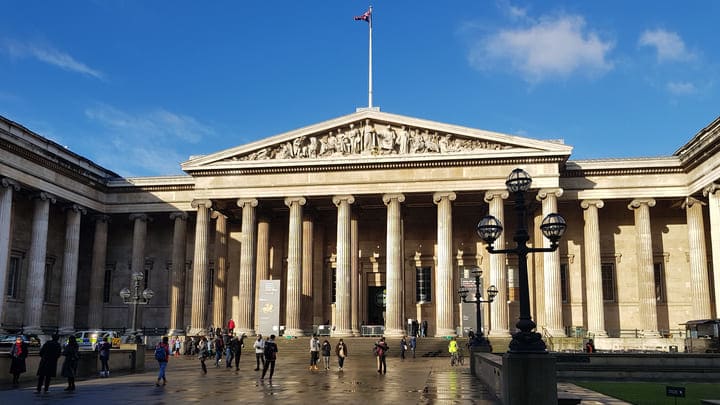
column 306, row 312
column 698, row 259
column 499, row 312
column 246, row 289
column 97, row 272
column 220, row 282
column 263, row 262
column 354, row 277
column 177, row 286
column 551, row 269
column 198, row 314
column 645, row 268
column 343, row 315
column 712, row 192
column 7, row 186
column 393, row 273
column 444, row 283
column 294, row 268
column 137, row 260
column 593, row 268
column 35, row 290
column 68, row 288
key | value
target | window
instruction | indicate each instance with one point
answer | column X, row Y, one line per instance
column 334, row 285
column 608, row 281
column 13, row 281
column 211, row 285
column 659, row 270
column 564, row 287
column 50, row 295
column 423, row 285
column 146, row 272
column 107, row 282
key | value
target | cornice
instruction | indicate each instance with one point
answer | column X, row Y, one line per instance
column 622, row 167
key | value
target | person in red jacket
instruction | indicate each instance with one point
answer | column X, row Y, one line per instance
column 231, row 326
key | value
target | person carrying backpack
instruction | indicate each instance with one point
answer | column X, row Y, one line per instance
column 270, row 351
column 162, row 354
column 381, row 349
column 103, row 349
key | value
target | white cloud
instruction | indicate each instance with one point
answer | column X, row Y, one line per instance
column 681, row 88
column 668, row 45
column 552, row 47
column 49, row 55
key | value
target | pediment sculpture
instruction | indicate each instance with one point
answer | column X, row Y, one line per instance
column 370, row 138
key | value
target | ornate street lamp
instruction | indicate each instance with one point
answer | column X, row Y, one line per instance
column 481, row 344
column 136, row 297
column 553, row 227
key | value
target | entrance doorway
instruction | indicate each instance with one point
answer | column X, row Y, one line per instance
column 376, row 305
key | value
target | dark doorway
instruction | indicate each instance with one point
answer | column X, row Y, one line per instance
column 376, row 305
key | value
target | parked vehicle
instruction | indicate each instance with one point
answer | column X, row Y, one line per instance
column 9, row 340
column 702, row 336
column 88, row 339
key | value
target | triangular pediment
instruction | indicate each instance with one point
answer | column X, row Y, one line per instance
column 373, row 136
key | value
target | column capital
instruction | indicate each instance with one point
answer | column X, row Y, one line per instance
column 77, row 208
column 690, row 201
column 101, row 218
column 182, row 215
column 493, row 194
column 198, row 203
column 7, row 182
column 585, row 204
column 337, row 199
column 547, row 192
column 440, row 195
column 140, row 216
column 639, row 202
column 289, row 201
column 711, row 188
column 242, row 202
column 44, row 196
column 393, row 196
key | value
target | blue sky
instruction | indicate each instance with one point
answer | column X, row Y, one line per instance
column 138, row 86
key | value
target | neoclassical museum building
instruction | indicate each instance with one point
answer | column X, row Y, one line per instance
column 365, row 219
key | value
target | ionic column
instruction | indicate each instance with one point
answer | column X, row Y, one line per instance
column 343, row 315
column 262, row 262
column 393, row 273
column 68, row 287
column 711, row 192
column 354, row 277
column 6, row 196
column 177, row 286
column 35, row 290
column 137, row 261
column 593, row 268
column 97, row 272
column 499, row 313
column 551, row 269
column 308, row 241
column 220, row 283
column 246, row 289
column 646, row 269
column 698, row 259
column 294, row 269
column 444, row 284
column 198, row 314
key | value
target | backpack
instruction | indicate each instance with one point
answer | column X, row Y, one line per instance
column 379, row 350
column 160, row 353
column 269, row 350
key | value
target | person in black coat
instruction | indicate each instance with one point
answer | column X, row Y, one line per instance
column 18, row 353
column 70, row 365
column 49, row 355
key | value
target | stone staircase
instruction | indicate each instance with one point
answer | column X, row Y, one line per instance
column 426, row 347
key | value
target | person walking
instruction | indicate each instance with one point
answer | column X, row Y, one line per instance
column 162, row 355
column 219, row 350
column 413, row 344
column 270, row 352
column 326, row 349
column 203, row 353
column 314, row 352
column 229, row 355
column 18, row 354
column 259, row 347
column 424, row 328
column 403, row 348
column 176, row 348
column 49, row 355
column 70, row 364
column 237, row 344
column 381, row 349
column 341, row 351
column 103, row 349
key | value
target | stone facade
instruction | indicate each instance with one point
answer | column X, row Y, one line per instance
column 353, row 213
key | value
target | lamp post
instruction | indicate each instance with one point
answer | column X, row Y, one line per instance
column 553, row 227
column 136, row 297
column 481, row 343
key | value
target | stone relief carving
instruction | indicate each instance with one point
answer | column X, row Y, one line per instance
column 370, row 138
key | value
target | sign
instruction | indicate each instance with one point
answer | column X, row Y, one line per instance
column 469, row 284
column 675, row 391
column 269, row 307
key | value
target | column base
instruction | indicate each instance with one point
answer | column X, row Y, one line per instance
column 176, row 332
column 395, row 332
column 244, row 331
column 598, row 333
column 198, row 331
column 356, row 332
column 650, row 334
column 503, row 333
column 445, row 332
column 32, row 330
column 343, row 333
column 556, row 332
column 65, row 330
column 294, row 332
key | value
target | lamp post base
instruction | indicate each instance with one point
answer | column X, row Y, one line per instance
column 527, row 342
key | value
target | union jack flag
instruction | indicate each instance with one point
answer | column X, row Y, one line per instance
column 365, row 17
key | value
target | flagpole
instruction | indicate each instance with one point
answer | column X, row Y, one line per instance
column 370, row 62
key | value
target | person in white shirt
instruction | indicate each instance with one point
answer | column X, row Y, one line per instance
column 259, row 346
